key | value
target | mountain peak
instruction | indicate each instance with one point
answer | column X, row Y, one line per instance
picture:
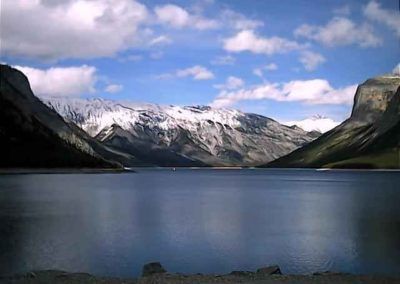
column 197, row 133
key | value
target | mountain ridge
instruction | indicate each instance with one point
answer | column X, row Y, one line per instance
column 201, row 134
column 71, row 132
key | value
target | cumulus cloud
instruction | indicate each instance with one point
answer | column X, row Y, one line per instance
column 260, row 70
column 53, row 30
column 248, row 40
column 61, row 81
column 311, row 60
column 314, row 123
column 177, row 17
column 340, row 31
column 224, row 60
column 391, row 19
column 161, row 40
column 238, row 21
column 317, row 91
column 113, row 88
column 197, row 72
column 231, row 83
column 172, row 15
column 202, row 23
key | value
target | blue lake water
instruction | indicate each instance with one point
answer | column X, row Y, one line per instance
column 208, row 221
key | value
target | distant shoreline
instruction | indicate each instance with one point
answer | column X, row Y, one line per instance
column 21, row 171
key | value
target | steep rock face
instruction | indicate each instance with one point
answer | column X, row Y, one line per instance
column 369, row 138
column 33, row 135
column 193, row 135
column 373, row 97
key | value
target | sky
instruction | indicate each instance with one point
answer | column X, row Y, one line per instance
column 288, row 60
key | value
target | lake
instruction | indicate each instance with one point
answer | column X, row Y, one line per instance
column 207, row 221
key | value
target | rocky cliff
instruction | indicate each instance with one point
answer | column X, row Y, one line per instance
column 373, row 97
column 368, row 139
column 33, row 135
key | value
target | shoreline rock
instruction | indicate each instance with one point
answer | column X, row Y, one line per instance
column 155, row 273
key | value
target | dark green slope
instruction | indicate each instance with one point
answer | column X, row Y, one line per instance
column 34, row 136
column 368, row 139
column 384, row 153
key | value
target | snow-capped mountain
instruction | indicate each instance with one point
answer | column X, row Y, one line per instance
column 315, row 123
column 190, row 135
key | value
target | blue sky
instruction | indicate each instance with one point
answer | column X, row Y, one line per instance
column 284, row 59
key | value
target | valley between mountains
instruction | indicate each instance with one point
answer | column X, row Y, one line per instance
column 91, row 133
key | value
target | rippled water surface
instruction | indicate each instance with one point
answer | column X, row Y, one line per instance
column 209, row 221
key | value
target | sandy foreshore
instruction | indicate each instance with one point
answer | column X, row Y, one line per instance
column 155, row 273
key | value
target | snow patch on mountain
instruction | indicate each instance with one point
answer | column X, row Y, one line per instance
column 93, row 115
column 213, row 136
column 315, row 123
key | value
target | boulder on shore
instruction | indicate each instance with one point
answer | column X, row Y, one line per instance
column 152, row 268
column 269, row 270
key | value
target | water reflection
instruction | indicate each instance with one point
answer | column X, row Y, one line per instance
column 201, row 221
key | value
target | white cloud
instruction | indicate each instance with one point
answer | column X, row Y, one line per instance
column 391, row 19
column 317, row 91
column 177, row 17
column 396, row 70
column 160, row 40
column 260, row 70
column 340, row 31
column 315, row 123
column 61, row 81
column 172, row 15
column 201, row 23
column 231, row 83
column 224, row 60
column 200, row 5
column 70, row 29
column 248, row 40
column 238, row 21
column 113, row 88
column 311, row 60
column 197, row 72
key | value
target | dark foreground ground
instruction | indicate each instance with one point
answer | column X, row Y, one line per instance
column 154, row 273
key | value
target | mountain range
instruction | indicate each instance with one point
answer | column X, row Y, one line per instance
column 183, row 136
column 69, row 132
